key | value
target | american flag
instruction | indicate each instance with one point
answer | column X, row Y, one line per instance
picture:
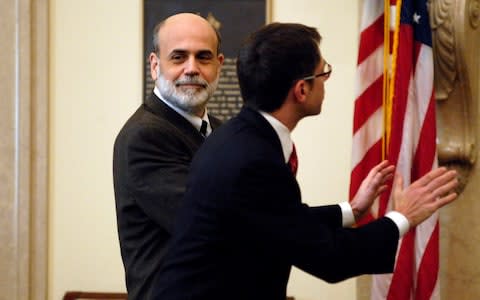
column 395, row 119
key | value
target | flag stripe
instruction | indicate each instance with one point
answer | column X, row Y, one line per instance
column 369, row 160
column 372, row 38
column 371, row 13
column 426, row 281
column 368, row 135
column 402, row 282
column 368, row 71
column 372, row 95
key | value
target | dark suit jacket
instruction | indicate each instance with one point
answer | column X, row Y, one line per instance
column 152, row 154
column 243, row 225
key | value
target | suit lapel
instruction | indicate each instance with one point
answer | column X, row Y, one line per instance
column 156, row 106
column 214, row 122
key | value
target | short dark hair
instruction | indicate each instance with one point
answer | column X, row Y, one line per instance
column 272, row 59
column 156, row 39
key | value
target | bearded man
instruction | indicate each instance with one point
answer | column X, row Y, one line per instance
column 153, row 150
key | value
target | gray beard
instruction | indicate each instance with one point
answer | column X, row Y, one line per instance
column 187, row 99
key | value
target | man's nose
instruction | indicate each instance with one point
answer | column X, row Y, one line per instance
column 191, row 67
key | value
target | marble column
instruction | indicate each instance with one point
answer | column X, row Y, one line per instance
column 23, row 149
column 456, row 32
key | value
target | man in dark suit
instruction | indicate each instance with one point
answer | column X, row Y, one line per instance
column 243, row 224
column 154, row 149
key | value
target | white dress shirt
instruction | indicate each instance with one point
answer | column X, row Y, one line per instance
column 348, row 218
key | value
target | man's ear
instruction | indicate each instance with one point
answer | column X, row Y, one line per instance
column 154, row 64
column 300, row 90
column 221, row 58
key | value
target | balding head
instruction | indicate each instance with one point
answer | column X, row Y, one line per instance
column 184, row 23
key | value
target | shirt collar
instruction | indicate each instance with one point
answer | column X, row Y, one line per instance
column 193, row 119
column 282, row 132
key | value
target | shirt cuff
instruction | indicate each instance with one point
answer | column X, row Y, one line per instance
column 347, row 214
column 400, row 220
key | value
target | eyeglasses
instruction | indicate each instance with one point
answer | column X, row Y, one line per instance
column 327, row 70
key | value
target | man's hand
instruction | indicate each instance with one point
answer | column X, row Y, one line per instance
column 372, row 186
column 425, row 196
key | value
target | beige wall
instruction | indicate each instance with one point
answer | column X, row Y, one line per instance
column 95, row 84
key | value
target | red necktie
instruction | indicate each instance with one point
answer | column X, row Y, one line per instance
column 293, row 161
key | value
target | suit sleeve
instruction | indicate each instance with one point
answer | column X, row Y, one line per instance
column 329, row 215
column 269, row 208
column 157, row 166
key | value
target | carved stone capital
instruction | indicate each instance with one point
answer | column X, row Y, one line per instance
column 457, row 88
